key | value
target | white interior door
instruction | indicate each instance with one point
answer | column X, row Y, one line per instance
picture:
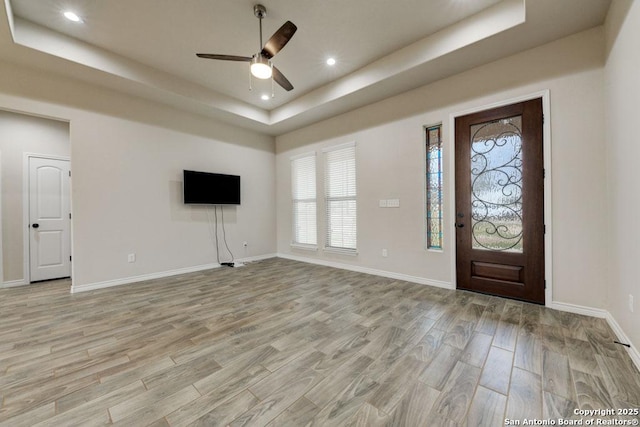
column 49, row 219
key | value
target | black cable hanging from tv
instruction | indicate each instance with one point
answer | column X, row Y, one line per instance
column 224, row 236
column 215, row 213
column 215, row 232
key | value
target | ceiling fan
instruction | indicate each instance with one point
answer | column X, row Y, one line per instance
column 261, row 65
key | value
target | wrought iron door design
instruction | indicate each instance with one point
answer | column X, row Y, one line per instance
column 496, row 185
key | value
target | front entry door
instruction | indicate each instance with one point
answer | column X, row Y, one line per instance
column 500, row 201
column 49, row 219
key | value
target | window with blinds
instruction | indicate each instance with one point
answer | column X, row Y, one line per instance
column 340, row 198
column 303, row 186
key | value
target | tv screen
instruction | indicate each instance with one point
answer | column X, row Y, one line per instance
column 205, row 188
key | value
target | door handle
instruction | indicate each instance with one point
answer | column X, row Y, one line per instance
column 35, row 225
column 459, row 225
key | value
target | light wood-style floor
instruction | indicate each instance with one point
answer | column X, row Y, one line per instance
column 283, row 343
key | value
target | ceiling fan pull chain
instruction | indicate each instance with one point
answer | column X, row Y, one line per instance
column 273, row 91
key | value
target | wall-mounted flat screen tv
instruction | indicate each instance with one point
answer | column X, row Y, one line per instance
column 204, row 188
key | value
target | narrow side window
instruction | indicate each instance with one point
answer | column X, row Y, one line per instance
column 434, row 186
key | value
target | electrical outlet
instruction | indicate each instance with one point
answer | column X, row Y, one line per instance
column 131, row 258
column 631, row 303
column 384, row 253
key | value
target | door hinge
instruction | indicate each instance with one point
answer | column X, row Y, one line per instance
column 544, row 229
column 69, row 215
column 544, row 173
column 543, row 119
column 69, row 257
column 69, row 174
column 545, row 284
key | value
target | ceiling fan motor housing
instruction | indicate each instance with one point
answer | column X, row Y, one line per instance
column 259, row 11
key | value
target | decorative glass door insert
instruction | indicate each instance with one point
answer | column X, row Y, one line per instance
column 496, row 185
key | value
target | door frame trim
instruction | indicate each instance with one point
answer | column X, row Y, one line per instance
column 26, row 242
column 546, row 135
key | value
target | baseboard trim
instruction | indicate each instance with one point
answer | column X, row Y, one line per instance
column 159, row 275
column 256, row 258
column 622, row 337
column 373, row 271
column 579, row 309
column 13, row 283
column 141, row 278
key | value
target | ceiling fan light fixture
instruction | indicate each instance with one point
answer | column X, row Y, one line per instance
column 72, row 16
column 261, row 67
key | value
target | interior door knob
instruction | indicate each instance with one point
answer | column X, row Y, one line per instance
column 35, row 225
column 459, row 225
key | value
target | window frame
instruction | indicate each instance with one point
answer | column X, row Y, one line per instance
column 327, row 199
column 427, row 202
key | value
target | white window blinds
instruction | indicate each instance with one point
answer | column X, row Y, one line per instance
column 340, row 197
column 303, row 186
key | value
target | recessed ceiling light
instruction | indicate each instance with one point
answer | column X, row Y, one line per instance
column 331, row 61
column 71, row 16
column 265, row 97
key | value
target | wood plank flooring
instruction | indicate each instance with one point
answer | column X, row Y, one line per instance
column 283, row 343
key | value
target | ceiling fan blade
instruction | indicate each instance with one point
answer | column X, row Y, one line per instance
column 224, row 57
column 279, row 39
column 279, row 78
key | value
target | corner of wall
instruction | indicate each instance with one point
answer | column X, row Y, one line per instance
column 621, row 92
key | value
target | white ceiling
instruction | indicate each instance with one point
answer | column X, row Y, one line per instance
column 147, row 48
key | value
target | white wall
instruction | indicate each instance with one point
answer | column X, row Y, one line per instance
column 21, row 134
column 390, row 164
column 622, row 148
column 127, row 159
